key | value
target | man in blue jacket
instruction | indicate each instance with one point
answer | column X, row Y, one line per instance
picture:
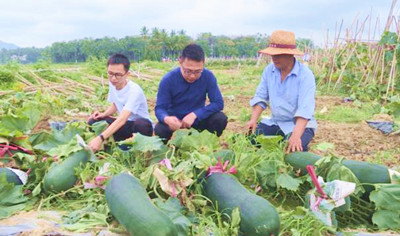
column 181, row 97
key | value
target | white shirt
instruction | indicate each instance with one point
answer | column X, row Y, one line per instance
column 130, row 98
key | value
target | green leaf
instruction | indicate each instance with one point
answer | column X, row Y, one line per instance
column 87, row 218
column 23, row 160
column 36, row 191
column 24, row 121
column 65, row 149
column 144, row 143
column 37, row 174
column 269, row 142
column 4, row 132
column 158, row 155
column 12, row 198
column 31, row 112
column 40, row 137
column 288, row 182
column 173, row 209
column 180, row 135
column 99, row 127
column 11, row 122
column 388, row 38
column 386, row 197
column 386, row 219
column 189, row 140
column 394, row 108
column 266, row 173
column 58, row 137
column 324, row 146
column 235, row 221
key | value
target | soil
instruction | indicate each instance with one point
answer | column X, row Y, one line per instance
column 44, row 223
column 357, row 141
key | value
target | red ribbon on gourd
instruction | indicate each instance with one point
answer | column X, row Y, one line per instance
column 313, row 175
column 221, row 168
column 4, row 148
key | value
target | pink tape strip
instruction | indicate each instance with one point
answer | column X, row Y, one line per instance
column 173, row 194
column 166, row 162
column 221, row 168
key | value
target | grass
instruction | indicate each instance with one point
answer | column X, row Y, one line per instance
column 386, row 156
column 348, row 114
column 234, row 81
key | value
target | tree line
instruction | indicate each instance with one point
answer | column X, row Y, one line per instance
column 155, row 44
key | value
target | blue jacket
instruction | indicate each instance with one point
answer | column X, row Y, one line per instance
column 176, row 97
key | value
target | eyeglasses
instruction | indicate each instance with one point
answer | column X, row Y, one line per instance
column 191, row 72
column 117, row 75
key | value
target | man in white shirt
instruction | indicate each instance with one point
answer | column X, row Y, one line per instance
column 126, row 98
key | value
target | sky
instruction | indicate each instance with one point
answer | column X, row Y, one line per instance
column 40, row 23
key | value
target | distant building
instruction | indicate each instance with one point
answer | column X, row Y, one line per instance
column 18, row 58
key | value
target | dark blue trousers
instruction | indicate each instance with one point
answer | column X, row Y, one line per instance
column 275, row 130
column 216, row 123
column 142, row 126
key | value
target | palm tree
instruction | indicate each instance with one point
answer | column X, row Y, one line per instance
column 144, row 32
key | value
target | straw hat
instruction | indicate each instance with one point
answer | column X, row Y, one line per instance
column 281, row 42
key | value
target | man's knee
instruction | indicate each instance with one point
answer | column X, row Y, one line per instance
column 109, row 120
column 163, row 131
column 268, row 130
column 91, row 121
column 143, row 126
column 306, row 138
column 219, row 122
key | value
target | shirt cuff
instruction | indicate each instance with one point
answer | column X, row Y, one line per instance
column 303, row 115
column 161, row 117
column 199, row 113
column 258, row 101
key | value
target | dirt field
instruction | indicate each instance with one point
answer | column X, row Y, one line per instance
column 356, row 141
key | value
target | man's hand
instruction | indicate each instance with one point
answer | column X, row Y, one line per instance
column 97, row 115
column 252, row 125
column 95, row 144
column 255, row 114
column 294, row 144
column 188, row 120
column 173, row 122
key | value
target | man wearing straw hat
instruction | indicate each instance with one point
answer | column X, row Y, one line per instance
column 288, row 88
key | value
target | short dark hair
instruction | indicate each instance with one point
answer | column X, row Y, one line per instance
column 193, row 52
column 119, row 59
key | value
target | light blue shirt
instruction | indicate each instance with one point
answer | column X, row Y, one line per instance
column 294, row 97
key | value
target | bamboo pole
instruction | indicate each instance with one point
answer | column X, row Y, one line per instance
column 344, row 67
column 336, row 46
column 391, row 76
column 389, row 19
column 382, row 68
column 58, row 70
column 23, row 80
